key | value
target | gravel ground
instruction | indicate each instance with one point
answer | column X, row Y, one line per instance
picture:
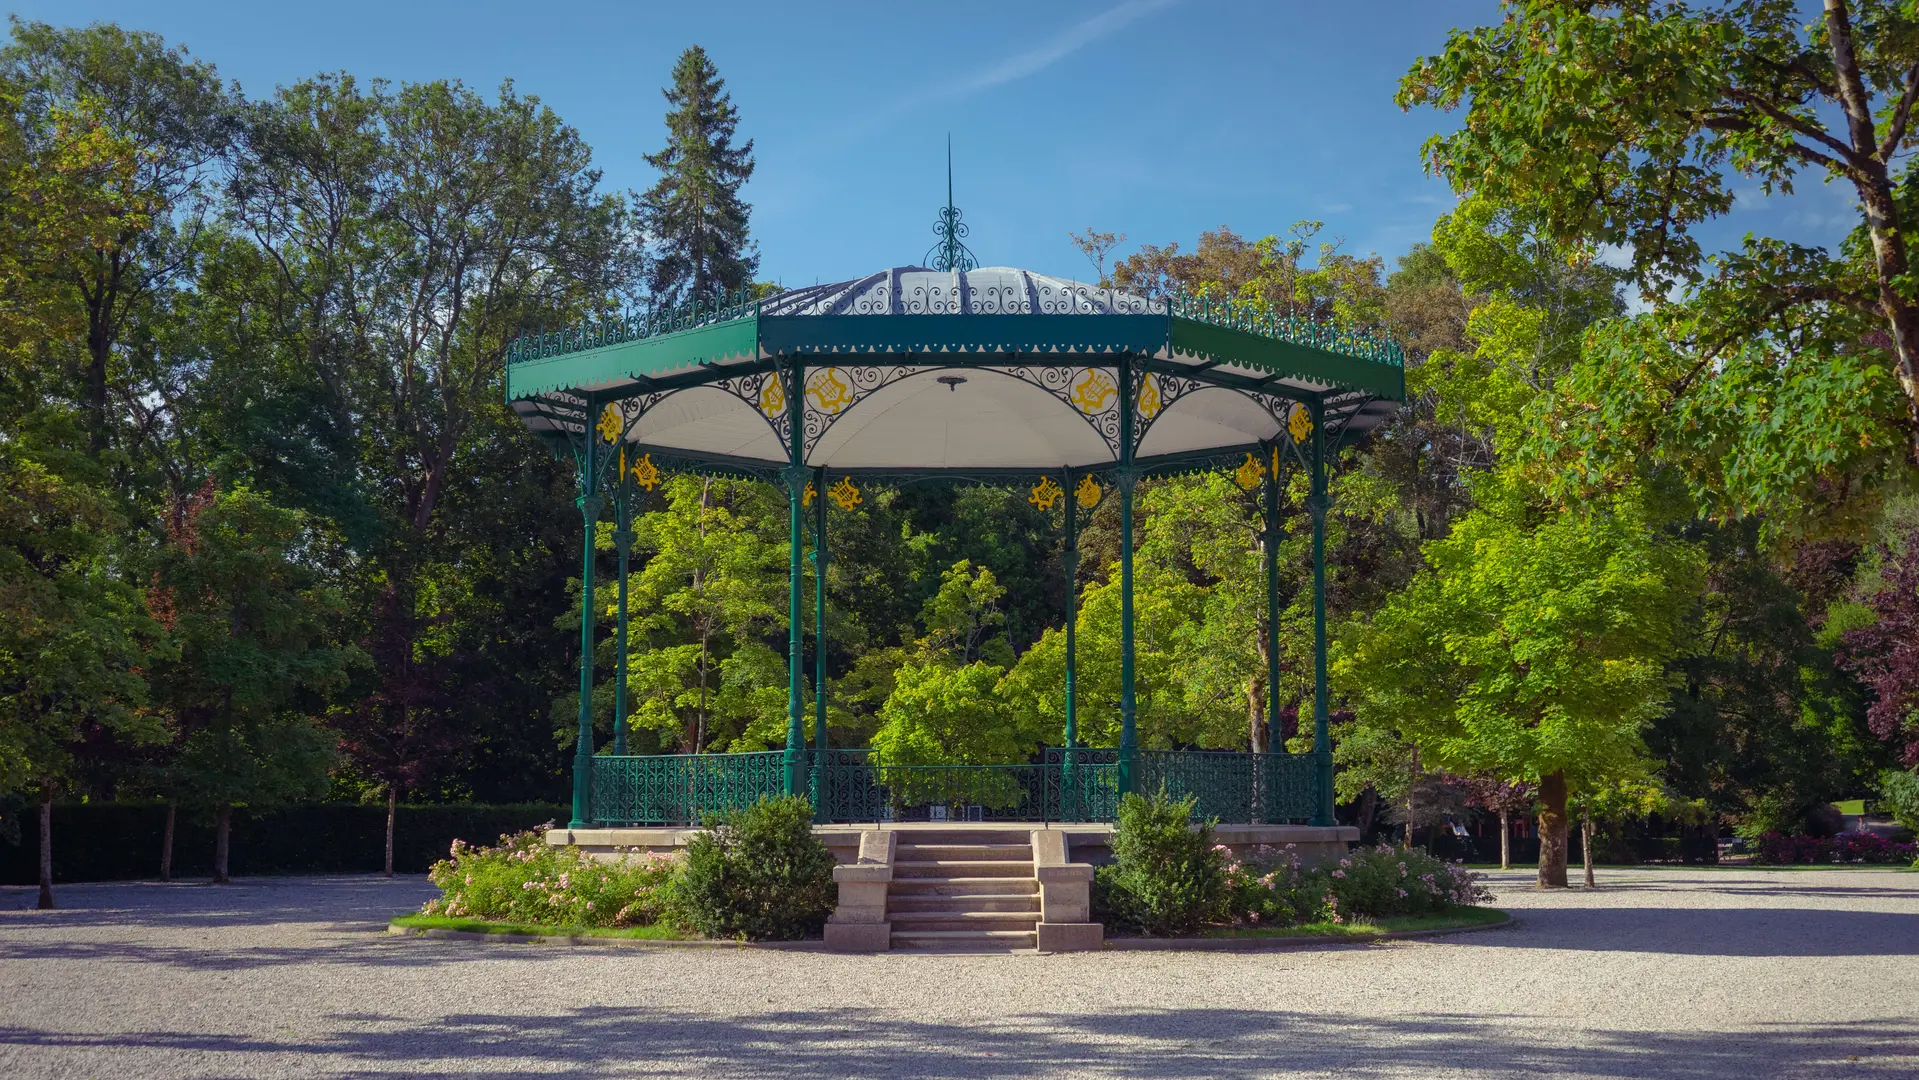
column 1658, row 973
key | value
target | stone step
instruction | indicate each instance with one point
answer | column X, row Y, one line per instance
column 915, row 921
column 962, row 852
column 964, row 836
column 955, row 868
column 963, row 886
column 903, row 902
column 995, row 940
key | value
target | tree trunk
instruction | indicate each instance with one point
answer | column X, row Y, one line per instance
column 222, row 829
column 392, row 800
column 1255, row 718
column 46, row 845
column 1368, row 806
column 1552, row 831
column 1505, row 838
column 166, row 843
column 1586, row 845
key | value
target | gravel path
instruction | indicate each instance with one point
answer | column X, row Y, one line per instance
column 1659, row 973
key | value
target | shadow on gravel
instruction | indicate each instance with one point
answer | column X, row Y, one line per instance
column 356, row 902
column 1150, row 1044
column 1713, row 931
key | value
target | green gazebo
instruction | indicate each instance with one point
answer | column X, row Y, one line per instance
column 992, row 375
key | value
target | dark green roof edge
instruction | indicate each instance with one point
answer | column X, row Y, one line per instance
column 1287, row 359
column 712, row 343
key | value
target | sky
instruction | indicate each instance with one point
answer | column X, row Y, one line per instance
column 1153, row 118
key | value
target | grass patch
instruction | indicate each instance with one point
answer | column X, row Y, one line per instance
column 1455, row 919
column 488, row 926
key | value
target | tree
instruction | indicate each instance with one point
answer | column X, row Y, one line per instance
column 253, row 622
column 693, row 215
column 1535, row 647
column 711, row 593
column 1095, row 245
column 1505, row 798
column 146, row 227
column 1625, row 124
column 72, row 638
column 1885, row 652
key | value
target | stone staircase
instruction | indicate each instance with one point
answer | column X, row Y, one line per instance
column 963, row 889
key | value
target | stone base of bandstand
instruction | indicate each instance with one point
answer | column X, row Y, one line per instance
column 1085, row 843
column 1064, row 856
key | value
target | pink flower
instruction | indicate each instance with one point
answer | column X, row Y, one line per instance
column 1339, row 873
column 1402, row 896
column 1346, row 863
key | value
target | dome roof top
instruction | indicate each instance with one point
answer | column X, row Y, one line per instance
column 988, row 290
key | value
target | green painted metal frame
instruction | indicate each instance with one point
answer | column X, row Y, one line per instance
column 629, row 357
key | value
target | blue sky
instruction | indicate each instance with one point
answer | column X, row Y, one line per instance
column 1156, row 118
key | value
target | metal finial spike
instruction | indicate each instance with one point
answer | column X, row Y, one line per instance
column 950, row 254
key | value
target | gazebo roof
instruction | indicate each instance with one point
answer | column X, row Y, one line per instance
column 987, row 370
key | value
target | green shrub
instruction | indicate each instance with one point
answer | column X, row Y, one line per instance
column 757, row 873
column 525, row 880
column 1899, row 795
column 1167, row 878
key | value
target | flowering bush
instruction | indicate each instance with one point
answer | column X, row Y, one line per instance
column 1272, row 887
column 525, row 880
column 1779, row 849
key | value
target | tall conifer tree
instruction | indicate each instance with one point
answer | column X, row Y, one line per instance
column 693, row 216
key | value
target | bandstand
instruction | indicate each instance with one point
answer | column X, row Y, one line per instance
column 996, row 375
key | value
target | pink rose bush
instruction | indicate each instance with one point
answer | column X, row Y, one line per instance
column 524, row 880
column 1274, row 887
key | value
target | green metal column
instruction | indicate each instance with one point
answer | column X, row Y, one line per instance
column 1125, row 477
column 820, row 559
column 1317, row 504
column 1272, row 602
column 622, row 543
column 590, row 503
column 795, row 475
column 1069, row 562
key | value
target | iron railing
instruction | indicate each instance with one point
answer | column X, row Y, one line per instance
column 850, row 786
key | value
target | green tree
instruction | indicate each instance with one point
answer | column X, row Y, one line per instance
column 72, row 637
column 1534, row 648
column 711, row 594
column 1626, row 124
column 254, row 624
column 693, row 214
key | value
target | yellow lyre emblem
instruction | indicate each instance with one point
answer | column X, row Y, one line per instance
column 1300, row 425
column 1093, row 390
column 611, row 425
column 1150, row 402
column 1045, row 493
column 844, row 494
column 772, row 397
column 1250, row 473
column 1087, row 492
column 806, row 497
column 645, row 473
column 830, row 391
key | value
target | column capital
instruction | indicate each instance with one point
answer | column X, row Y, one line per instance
column 1125, row 478
column 796, row 477
column 591, row 506
column 623, row 540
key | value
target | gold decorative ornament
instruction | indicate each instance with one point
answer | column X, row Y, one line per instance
column 844, row 494
column 611, row 425
column 830, row 391
column 1087, row 492
column 645, row 473
column 1300, row 425
column 806, row 497
column 1150, row 403
column 1045, row 493
column 1250, row 473
column 1093, row 390
column 772, row 397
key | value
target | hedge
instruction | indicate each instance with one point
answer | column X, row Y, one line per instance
column 121, row 841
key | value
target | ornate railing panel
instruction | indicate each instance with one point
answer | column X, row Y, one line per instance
column 1079, row 784
column 1234, row 787
column 675, row 789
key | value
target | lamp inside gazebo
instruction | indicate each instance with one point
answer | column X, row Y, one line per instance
column 993, row 375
